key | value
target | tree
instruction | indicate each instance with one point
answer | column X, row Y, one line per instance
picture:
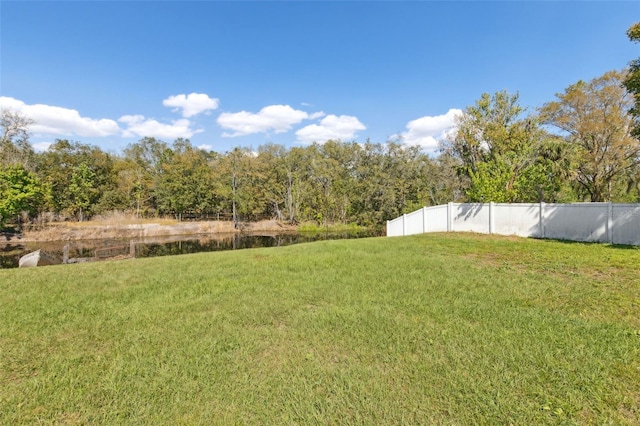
column 389, row 180
column 444, row 184
column 186, row 181
column 499, row 151
column 82, row 190
column 293, row 183
column 632, row 81
column 142, row 176
column 333, row 173
column 20, row 190
column 14, row 140
column 327, row 172
column 64, row 160
column 235, row 182
column 277, row 178
column 593, row 119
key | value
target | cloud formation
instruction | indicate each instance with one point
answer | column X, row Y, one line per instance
column 54, row 120
column 51, row 121
column 138, row 125
column 427, row 131
column 276, row 118
column 191, row 104
column 343, row 127
column 42, row 146
column 205, row 147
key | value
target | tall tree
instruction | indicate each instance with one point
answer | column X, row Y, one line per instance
column 498, row 150
column 14, row 139
column 186, row 181
column 82, row 190
column 632, row 81
column 444, row 184
column 64, row 160
column 20, row 191
column 238, row 183
column 277, row 178
column 143, row 174
column 593, row 118
column 293, row 183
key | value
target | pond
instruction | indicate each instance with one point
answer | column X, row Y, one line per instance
column 11, row 252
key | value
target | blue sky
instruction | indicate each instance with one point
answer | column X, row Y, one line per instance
column 227, row 74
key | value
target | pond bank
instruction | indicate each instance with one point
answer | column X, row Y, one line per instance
column 88, row 250
column 94, row 231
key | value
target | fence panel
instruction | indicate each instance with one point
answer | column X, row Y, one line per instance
column 517, row 219
column 436, row 218
column 626, row 224
column 576, row 222
column 471, row 217
column 395, row 227
column 414, row 223
column 589, row 222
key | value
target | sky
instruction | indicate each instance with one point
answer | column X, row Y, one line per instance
column 245, row 74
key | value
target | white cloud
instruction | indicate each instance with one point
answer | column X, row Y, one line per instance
column 427, row 131
column 138, row 125
column 41, row 146
column 316, row 115
column 7, row 102
column 277, row 118
column 53, row 120
column 341, row 127
column 205, row 147
column 191, row 104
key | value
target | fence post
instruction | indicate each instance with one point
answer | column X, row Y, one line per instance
column 541, row 220
column 449, row 217
column 610, row 222
column 404, row 224
column 387, row 228
column 424, row 220
column 492, row 218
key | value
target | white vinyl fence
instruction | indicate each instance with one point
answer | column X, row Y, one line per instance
column 592, row 222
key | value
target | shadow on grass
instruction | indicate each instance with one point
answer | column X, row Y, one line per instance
column 594, row 243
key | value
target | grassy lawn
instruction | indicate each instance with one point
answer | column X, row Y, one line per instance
column 432, row 329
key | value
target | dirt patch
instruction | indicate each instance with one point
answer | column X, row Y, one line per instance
column 94, row 231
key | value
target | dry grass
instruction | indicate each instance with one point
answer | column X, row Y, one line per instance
column 118, row 218
column 119, row 225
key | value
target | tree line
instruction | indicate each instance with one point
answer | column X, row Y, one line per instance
column 582, row 146
column 331, row 182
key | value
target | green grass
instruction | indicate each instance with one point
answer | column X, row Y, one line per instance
column 432, row 329
column 313, row 227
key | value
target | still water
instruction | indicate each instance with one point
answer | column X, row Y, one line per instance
column 10, row 253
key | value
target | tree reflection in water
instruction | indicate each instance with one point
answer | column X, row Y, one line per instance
column 168, row 246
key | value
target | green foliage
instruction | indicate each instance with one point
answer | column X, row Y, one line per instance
column 593, row 116
column 82, row 189
column 432, row 329
column 493, row 181
column 501, row 153
column 497, row 152
column 497, row 181
column 314, row 228
column 78, row 175
column 20, row 191
column 185, row 182
column 632, row 81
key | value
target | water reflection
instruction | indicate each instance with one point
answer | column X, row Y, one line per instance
column 163, row 246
